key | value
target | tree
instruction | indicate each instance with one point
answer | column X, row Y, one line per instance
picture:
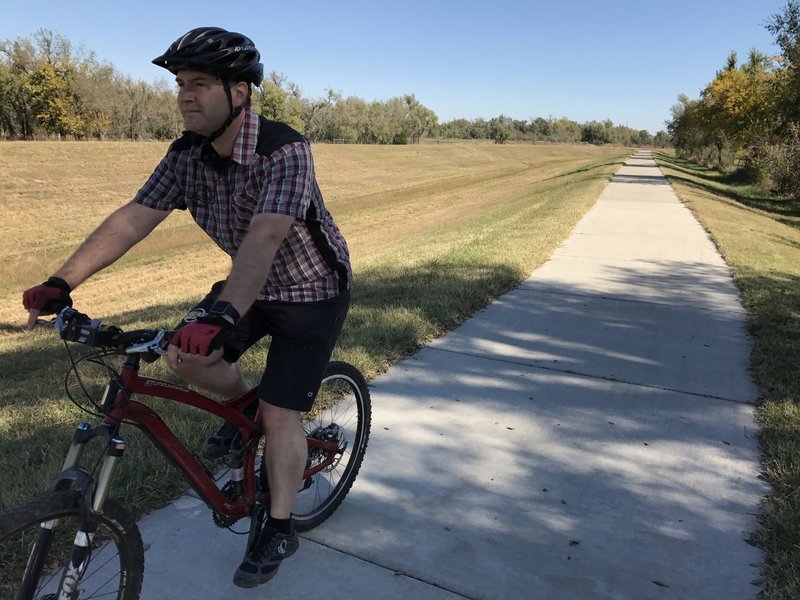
column 418, row 120
column 352, row 116
column 595, row 133
column 18, row 58
column 564, row 130
column 685, row 127
column 737, row 103
column 382, row 123
column 662, row 139
column 49, row 88
column 645, row 138
column 55, row 105
column 540, row 128
column 8, row 93
column 499, row 130
column 734, row 119
column 279, row 100
column 785, row 27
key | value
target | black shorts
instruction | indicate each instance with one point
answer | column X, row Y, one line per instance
column 303, row 337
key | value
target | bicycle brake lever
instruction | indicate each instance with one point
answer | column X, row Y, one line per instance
column 153, row 345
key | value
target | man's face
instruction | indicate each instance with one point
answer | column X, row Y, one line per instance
column 202, row 101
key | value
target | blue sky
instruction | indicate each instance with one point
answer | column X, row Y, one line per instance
column 624, row 60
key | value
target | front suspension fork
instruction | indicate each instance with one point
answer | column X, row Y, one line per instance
column 93, row 498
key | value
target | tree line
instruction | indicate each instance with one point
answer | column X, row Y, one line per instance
column 747, row 119
column 48, row 89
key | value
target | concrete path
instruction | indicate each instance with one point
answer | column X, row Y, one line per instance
column 587, row 436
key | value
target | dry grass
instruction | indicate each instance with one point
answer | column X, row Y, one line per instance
column 435, row 232
column 385, row 198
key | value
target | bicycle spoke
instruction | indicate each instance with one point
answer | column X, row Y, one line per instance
column 114, row 560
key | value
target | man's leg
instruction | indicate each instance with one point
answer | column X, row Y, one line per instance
column 210, row 372
column 218, row 376
column 286, row 454
column 303, row 336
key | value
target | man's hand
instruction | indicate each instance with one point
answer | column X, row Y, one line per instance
column 203, row 335
column 46, row 298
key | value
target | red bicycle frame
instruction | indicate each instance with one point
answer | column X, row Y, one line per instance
column 125, row 409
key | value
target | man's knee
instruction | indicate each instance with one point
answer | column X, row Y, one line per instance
column 190, row 366
column 275, row 417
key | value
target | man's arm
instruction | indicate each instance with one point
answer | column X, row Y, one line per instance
column 253, row 261
column 250, row 270
column 122, row 230
column 114, row 237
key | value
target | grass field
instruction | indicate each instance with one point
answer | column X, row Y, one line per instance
column 435, row 233
column 759, row 236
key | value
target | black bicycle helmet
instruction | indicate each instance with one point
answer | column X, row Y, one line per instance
column 225, row 54
column 228, row 55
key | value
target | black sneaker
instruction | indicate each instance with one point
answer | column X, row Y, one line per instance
column 262, row 561
column 226, row 438
column 220, row 442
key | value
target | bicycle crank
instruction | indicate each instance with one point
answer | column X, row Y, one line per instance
column 223, row 521
column 231, row 490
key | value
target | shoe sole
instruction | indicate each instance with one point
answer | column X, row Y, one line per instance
column 213, row 455
column 244, row 579
column 247, row 582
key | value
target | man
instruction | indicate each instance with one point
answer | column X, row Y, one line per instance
column 250, row 184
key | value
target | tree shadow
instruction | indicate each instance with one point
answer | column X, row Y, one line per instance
column 400, row 308
column 646, row 179
column 592, row 167
column 551, row 418
column 393, row 313
column 760, row 200
column 507, row 444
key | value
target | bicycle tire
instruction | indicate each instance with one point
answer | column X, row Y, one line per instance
column 343, row 400
column 116, row 556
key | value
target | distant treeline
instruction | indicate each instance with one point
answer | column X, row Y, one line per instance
column 50, row 90
column 747, row 120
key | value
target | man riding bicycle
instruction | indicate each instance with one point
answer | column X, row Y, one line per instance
column 250, row 185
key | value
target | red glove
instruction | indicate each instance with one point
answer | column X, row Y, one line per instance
column 48, row 297
column 203, row 335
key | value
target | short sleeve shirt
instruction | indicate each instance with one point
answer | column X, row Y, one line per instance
column 223, row 195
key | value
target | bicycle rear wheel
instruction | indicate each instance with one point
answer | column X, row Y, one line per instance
column 341, row 411
column 36, row 540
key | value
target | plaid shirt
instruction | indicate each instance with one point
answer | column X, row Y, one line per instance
column 223, row 195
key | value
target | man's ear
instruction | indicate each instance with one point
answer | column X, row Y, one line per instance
column 239, row 93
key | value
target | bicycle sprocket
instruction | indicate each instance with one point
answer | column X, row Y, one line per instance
column 223, row 521
column 231, row 491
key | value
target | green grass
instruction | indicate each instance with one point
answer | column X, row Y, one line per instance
column 435, row 233
column 758, row 234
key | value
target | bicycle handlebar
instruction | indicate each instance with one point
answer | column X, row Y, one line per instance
column 74, row 326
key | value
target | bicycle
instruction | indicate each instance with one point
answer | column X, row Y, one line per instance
column 77, row 543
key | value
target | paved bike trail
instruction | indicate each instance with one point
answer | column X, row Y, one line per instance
column 587, row 436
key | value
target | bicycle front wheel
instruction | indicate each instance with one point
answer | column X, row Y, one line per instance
column 342, row 412
column 37, row 539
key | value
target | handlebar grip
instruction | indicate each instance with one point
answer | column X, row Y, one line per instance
column 74, row 326
column 78, row 327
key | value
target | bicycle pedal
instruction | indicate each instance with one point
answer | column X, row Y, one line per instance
column 233, row 460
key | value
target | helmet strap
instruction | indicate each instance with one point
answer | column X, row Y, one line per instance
column 233, row 113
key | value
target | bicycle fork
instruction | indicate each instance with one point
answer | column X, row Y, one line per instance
column 94, row 494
